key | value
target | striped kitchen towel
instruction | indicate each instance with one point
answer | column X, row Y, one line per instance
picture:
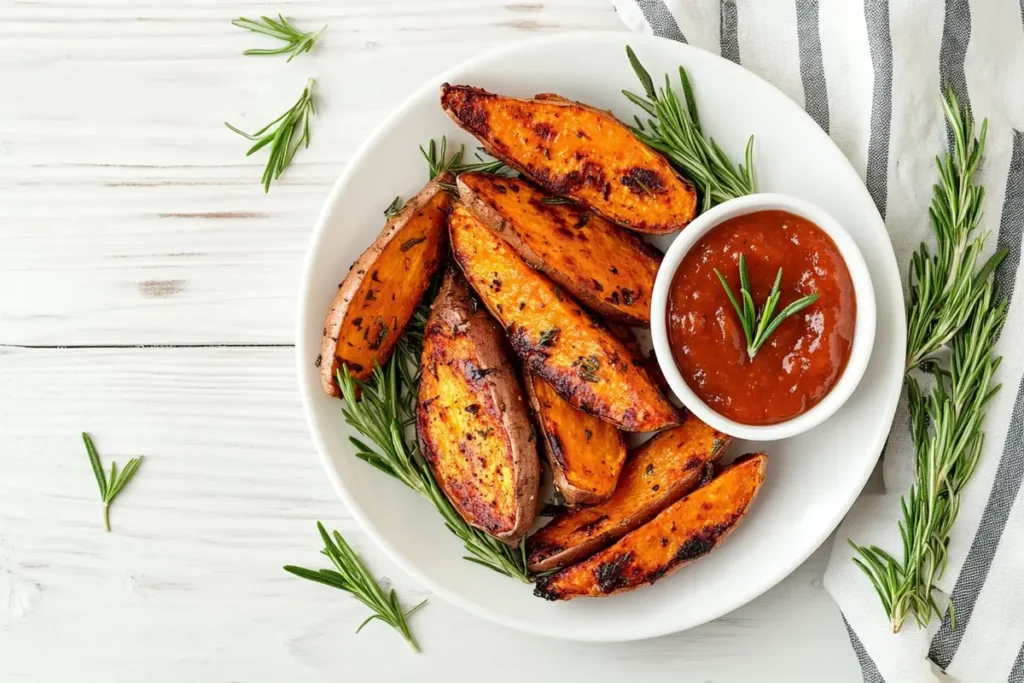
column 871, row 74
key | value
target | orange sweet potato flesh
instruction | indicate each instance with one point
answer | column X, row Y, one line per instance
column 383, row 287
column 471, row 416
column 658, row 473
column 609, row 270
column 585, row 453
column 556, row 339
column 682, row 533
column 576, row 151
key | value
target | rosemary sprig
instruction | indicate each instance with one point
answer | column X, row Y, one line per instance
column 674, row 130
column 946, row 287
column 439, row 162
column 289, row 131
column 112, row 484
column 352, row 576
column 951, row 301
column 381, row 409
column 296, row 42
column 759, row 325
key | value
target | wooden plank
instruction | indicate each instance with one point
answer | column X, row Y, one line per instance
column 131, row 215
column 188, row 586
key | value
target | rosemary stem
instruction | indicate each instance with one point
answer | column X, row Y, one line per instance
column 106, row 516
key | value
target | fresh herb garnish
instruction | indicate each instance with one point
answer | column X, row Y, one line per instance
column 759, row 325
column 439, row 162
column 555, row 201
column 951, row 302
column 394, row 208
column 283, row 139
column 412, row 242
column 674, row 130
column 352, row 576
column 112, row 484
column 296, row 41
column 381, row 409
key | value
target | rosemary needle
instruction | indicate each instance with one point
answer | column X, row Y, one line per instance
column 352, row 576
column 296, row 42
column 112, row 484
column 280, row 134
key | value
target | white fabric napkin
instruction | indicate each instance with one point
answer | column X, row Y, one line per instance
column 870, row 73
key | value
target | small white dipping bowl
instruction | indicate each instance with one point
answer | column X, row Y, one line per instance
column 864, row 329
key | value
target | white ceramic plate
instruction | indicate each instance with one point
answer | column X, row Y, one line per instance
column 812, row 479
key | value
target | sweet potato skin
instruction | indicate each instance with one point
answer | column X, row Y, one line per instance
column 556, row 339
column 383, row 287
column 577, row 151
column 609, row 270
column 471, row 418
column 585, row 453
column 685, row 531
column 657, row 474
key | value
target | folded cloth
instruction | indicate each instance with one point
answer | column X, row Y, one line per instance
column 872, row 75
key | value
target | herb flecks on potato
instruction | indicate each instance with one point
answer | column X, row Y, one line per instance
column 471, row 417
column 382, row 289
column 577, row 151
column 682, row 533
column 658, row 473
column 609, row 270
column 556, row 339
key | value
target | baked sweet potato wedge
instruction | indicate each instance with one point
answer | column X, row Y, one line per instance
column 685, row 531
column 577, row 151
column 585, row 453
column 657, row 474
column 609, row 270
column 557, row 340
column 383, row 287
column 471, row 417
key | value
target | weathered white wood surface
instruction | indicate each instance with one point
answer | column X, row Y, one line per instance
column 130, row 219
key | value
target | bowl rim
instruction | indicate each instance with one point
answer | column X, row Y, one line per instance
column 864, row 324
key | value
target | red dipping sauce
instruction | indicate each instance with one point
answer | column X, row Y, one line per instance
column 803, row 359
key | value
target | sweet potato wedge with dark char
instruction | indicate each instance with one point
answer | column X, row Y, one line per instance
column 383, row 287
column 657, row 474
column 471, row 417
column 685, row 531
column 556, row 339
column 577, row 151
column 609, row 270
column 585, row 453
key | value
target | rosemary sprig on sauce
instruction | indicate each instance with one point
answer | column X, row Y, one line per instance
column 953, row 302
column 759, row 325
column 285, row 135
column 296, row 41
column 110, row 485
column 352, row 576
column 381, row 409
column 674, row 130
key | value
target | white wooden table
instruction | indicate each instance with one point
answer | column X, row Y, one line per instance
column 147, row 293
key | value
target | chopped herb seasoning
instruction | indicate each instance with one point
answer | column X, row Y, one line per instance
column 549, row 337
column 394, row 208
column 409, row 244
column 319, row 360
column 587, row 368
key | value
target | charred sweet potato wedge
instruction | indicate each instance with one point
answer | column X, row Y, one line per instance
column 609, row 270
column 471, row 417
column 383, row 287
column 657, row 474
column 556, row 339
column 585, row 453
column 577, row 151
column 685, row 531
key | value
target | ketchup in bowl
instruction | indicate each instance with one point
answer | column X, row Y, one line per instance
column 803, row 358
